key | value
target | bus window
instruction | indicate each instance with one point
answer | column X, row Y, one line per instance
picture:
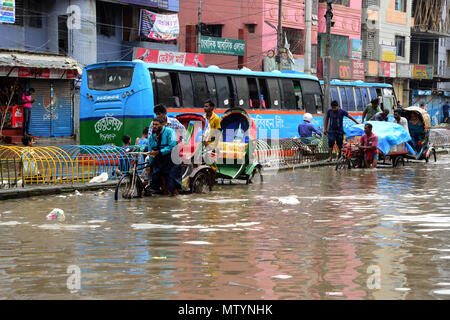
column 111, row 78
column 201, row 93
column 298, row 95
column 344, row 98
column 265, row 101
column 388, row 103
column 167, row 88
column 211, row 88
column 186, row 90
column 379, row 93
column 359, row 101
column 243, row 100
column 350, row 98
column 365, row 96
column 335, row 94
column 274, row 93
column 253, row 92
column 373, row 94
column 223, row 92
column 312, row 96
column 289, row 98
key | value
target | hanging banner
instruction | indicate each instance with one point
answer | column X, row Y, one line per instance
column 163, row 27
column 7, row 11
column 423, row 72
column 388, row 53
column 356, row 49
column 388, row 70
column 358, row 70
column 215, row 45
column 404, row 71
column 169, row 57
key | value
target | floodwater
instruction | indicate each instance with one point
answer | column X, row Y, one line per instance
column 303, row 234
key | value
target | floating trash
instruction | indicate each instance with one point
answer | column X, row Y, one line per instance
column 56, row 214
column 282, row 276
column 100, row 178
column 291, row 200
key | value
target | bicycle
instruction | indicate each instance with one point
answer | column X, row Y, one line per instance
column 131, row 184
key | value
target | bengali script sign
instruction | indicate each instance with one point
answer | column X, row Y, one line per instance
column 358, row 70
column 388, row 53
column 404, row 70
column 7, row 11
column 423, row 72
column 215, row 45
column 162, row 27
column 169, row 57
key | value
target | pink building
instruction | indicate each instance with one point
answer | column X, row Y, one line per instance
column 250, row 20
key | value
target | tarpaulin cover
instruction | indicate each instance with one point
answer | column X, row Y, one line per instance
column 389, row 134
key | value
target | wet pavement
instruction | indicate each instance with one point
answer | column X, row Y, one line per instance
column 304, row 234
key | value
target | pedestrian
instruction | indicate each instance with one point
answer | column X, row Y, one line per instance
column 371, row 109
column 369, row 145
column 399, row 105
column 422, row 106
column 400, row 120
column 164, row 172
column 336, row 129
column 143, row 141
column 160, row 111
column 27, row 101
column 28, row 156
column 381, row 116
column 306, row 129
column 445, row 108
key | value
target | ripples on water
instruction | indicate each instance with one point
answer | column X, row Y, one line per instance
column 304, row 234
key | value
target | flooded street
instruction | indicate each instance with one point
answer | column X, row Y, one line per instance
column 304, row 234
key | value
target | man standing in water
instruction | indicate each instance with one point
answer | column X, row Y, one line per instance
column 336, row 129
column 369, row 144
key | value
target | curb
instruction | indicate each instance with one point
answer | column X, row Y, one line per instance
column 18, row 193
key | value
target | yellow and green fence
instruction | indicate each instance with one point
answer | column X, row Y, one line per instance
column 23, row 166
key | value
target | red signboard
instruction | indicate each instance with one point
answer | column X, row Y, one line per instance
column 169, row 57
column 26, row 73
column 358, row 70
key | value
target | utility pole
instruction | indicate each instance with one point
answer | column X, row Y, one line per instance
column 308, row 15
column 199, row 29
column 326, row 58
column 280, row 33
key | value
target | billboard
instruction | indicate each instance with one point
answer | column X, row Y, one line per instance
column 404, row 71
column 169, row 57
column 423, row 72
column 7, row 11
column 388, row 53
column 163, row 27
column 356, row 49
column 388, row 70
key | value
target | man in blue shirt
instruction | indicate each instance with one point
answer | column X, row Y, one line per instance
column 445, row 111
column 306, row 129
column 336, row 129
column 164, row 171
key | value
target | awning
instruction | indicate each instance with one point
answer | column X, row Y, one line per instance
column 41, row 66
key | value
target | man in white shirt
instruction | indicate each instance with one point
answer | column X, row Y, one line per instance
column 161, row 111
column 400, row 120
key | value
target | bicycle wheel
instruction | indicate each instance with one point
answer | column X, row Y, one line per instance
column 343, row 163
column 126, row 189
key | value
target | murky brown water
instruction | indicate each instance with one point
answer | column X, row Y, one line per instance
column 241, row 242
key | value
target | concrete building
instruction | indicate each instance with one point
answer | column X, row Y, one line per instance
column 386, row 30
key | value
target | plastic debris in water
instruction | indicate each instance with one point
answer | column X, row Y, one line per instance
column 282, row 276
column 101, row 178
column 77, row 193
column 289, row 200
column 56, row 214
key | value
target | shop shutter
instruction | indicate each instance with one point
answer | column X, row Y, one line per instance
column 62, row 124
column 40, row 118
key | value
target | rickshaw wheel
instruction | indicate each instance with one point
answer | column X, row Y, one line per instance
column 343, row 163
column 434, row 154
column 200, row 183
column 396, row 161
column 256, row 176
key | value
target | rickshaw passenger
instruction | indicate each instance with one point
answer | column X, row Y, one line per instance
column 161, row 142
column 416, row 130
column 369, row 144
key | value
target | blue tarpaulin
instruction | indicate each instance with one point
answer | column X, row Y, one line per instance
column 389, row 134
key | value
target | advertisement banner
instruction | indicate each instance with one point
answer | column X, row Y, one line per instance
column 7, row 11
column 163, row 27
column 423, row 72
column 358, row 70
column 215, row 45
column 356, row 49
column 404, row 71
column 341, row 69
column 388, row 53
column 372, row 68
column 388, row 70
column 169, row 57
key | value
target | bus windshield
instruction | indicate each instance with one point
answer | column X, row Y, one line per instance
column 112, row 78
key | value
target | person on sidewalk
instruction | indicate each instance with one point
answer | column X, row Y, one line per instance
column 371, row 109
column 27, row 101
column 335, row 131
column 369, row 145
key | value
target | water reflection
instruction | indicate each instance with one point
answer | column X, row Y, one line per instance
column 303, row 234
